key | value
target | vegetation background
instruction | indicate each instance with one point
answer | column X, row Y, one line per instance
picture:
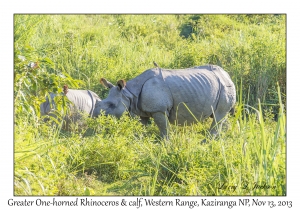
column 121, row 157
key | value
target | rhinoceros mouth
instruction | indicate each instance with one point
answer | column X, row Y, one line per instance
column 46, row 119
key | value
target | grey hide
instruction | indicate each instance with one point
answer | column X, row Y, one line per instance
column 177, row 96
column 83, row 101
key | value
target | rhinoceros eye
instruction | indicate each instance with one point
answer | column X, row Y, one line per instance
column 111, row 106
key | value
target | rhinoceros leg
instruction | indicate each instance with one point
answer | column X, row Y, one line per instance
column 144, row 120
column 161, row 120
column 225, row 104
column 219, row 117
column 216, row 126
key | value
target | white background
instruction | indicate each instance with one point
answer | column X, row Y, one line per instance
column 8, row 8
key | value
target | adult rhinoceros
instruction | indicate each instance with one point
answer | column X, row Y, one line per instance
column 181, row 96
column 83, row 101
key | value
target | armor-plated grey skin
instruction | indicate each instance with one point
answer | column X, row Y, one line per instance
column 83, row 101
column 179, row 96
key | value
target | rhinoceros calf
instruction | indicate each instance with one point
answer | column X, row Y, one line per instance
column 179, row 96
column 83, row 101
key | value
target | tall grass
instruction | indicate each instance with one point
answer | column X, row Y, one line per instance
column 107, row 156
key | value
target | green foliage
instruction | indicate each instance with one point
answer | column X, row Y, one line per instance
column 34, row 79
column 109, row 156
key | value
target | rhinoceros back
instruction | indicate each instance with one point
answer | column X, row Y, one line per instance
column 222, row 75
column 83, row 100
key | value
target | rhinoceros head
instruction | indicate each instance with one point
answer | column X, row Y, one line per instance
column 116, row 103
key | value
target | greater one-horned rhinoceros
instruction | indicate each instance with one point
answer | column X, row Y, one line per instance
column 181, row 96
column 82, row 101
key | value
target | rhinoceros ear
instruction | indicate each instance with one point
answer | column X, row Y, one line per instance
column 106, row 83
column 121, row 84
column 66, row 89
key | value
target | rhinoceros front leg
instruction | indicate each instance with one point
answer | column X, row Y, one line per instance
column 144, row 120
column 161, row 120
